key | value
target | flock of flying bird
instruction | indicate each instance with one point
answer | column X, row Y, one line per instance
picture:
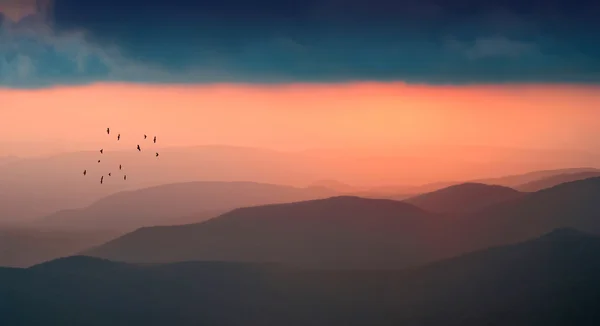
column 120, row 166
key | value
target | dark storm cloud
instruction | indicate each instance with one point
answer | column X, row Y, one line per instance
column 431, row 41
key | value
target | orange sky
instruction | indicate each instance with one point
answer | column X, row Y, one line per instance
column 309, row 116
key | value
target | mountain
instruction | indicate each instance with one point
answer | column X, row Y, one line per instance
column 574, row 204
column 370, row 231
column 28, row 186
column 463, row 198
column 24, row 247
column 551, row 280
column 554, row 180
column 334, row 185
column 335, row 232
column 175, row 203
column 517, row 180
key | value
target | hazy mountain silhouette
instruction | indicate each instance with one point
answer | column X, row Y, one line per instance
column 335, row 185
column 517, row 180
column 554, row 180
column 401, row 192
column 33, row 187
column 333, row 232
column 358, row 232
column 23, row 247
column 552, row 280
column 175, row 204
column 463, row 198
column 573, row 204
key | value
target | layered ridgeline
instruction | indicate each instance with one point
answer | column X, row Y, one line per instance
column 551, row 280
column 334, row 232
column 177, row 203
column 356, row 232
column 464, row 197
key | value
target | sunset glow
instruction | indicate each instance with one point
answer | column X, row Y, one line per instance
column 304, row 116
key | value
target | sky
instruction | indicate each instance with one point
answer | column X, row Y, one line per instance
column 303, row 74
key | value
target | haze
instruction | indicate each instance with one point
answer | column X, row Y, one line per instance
column 392, row 119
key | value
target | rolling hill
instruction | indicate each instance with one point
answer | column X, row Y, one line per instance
column 552, row 280
column 574, row 204
column 463, row 198
column 554, row 180
column 174, row 204
column 333, row 232
column 517, row 180
column 33, row 187
column 358, row 232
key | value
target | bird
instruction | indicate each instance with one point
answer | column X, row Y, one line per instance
column 155, row 139
column 125, row 177
column 98, row 161
column 138, row 148
column 101, row 151
column 101, row 179
column 84, row 172
column 145, row 136
column 156, row 154
column 119, row 137
column 120, row 167
column 109, row 174
column 108, row 131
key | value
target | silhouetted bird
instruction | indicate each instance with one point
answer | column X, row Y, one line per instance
column 109, row 174
column 119, row 137
column 139, row 149
column 125, row 177
column 101, row 151
column 84, row 172
column 155, row 139
column 145, row 136
column 101, row 179
column 156, row 154
column 98, row 161
column 107, row 130
column 120, row 167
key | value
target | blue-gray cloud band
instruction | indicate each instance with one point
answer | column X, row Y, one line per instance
column 266, row 41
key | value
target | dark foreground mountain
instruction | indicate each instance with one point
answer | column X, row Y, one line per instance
column 552, row 280
column 463, row 198
column 168, row 204
column 334, row 232
column 554, row 180
column 24, row 247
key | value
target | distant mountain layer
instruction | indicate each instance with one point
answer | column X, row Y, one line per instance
column 173, row 204
column 335, row 232
column 552, row 280
column 574, row 204
column 359, row 232
column 463, row 198
column 554, row 180
column 29, row 186
column 518, row 180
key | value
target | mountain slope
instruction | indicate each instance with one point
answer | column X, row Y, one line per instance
column 554, row 180
column 552, row 280
column 516, row 180
column 333, row 232
column 463, row 198
column 574, row 204
column 169, row 204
